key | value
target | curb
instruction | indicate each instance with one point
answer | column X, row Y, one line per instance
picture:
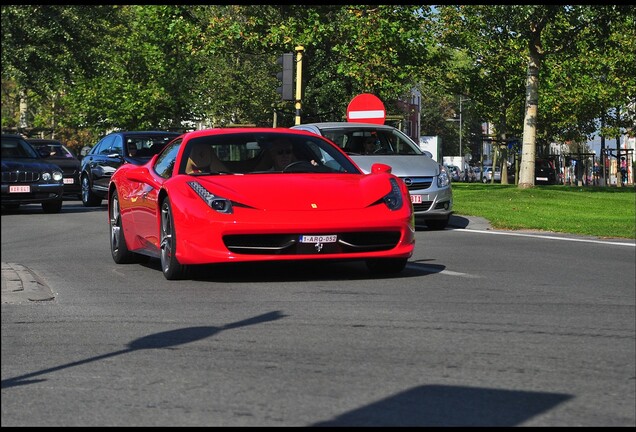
column 19, row 284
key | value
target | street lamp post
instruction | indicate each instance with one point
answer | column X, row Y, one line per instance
column 461, row 125
column 461, row 129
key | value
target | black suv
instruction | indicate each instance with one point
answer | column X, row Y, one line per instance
column 112, row 151
column 28, row 178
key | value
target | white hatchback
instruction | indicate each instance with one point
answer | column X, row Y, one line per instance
column 427, row 180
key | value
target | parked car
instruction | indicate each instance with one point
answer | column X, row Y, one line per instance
column 468, row 175
column 217, row 196
column 61, row 156
column 112, row 151
column 28, row 178
column 427, row 180
column 545, row 172
column 487, row 174
column 453, row 172
column 476, row 171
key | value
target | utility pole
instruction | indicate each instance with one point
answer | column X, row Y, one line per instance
column 299, row 81
column 461, row 99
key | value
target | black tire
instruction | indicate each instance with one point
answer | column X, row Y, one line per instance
column 52, row 206
column 386, row 265
column 437, row 224
column 89, row 199
column 118, row 247
column 170, row 266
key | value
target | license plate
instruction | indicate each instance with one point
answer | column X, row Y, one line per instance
column 332, row 238
column 542, row 178
column 416, row 199
column 68, row 181
column 19, row 189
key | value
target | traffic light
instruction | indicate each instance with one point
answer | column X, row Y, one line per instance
column 286, row 76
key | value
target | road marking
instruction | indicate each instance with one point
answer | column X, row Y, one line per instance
column 436, row 269
column 465, row 275
column 615, row 243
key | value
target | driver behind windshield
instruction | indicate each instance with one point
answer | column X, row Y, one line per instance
column 281, row 153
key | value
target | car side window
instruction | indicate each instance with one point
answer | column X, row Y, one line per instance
column 117, row 146
column 104, row 146
column 97, row 148
column 164, row 166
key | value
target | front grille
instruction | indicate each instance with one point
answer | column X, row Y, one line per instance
column 20, row 176
column 417, row 183
column 288, row 244
column 423, row 206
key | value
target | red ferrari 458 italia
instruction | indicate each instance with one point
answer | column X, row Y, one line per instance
column 256, row 194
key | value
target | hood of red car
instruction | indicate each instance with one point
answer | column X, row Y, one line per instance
column 300, row 191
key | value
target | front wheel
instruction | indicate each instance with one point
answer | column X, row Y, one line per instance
column 118, row 248
column 89, row 199
column 386, row 265
column 170, row 266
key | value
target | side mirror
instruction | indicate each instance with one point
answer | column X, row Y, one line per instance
column 380, row 168
column 139, row 174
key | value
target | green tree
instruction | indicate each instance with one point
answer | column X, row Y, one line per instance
column 508, row 43
column 351, row 49
column 45, row 49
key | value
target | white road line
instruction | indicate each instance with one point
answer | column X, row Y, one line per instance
column 465, row 275
column 544, row 237
column 435, row 269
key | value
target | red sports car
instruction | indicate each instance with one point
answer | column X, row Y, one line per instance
column 255, row 194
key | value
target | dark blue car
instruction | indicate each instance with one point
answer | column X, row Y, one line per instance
column 27, row 178
column 112, row 151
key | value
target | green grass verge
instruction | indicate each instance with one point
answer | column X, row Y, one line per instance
column 592, row 211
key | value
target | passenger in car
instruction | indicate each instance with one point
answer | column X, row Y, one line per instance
column 132, row 149
column 203, row 159
column 370, row 145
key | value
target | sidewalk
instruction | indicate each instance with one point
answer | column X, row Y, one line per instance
column 469, row 222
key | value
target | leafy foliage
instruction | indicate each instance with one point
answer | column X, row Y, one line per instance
column 93, row 69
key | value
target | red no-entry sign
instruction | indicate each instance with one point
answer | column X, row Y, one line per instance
column 366, row 108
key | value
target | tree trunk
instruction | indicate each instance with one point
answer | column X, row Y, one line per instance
column 24, row 108
column 529, row 149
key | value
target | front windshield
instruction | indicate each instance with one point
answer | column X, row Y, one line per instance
column 57, row 151
column 17, row 148
column 366, row 140
column 262, row 152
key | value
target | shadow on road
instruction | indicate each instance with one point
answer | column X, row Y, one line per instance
column 440, row 405
column 154, row 341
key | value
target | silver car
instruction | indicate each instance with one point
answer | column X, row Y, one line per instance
column 427, row 181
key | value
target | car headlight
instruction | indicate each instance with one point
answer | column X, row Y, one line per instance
column 56, row 175
column 219, row 204
column 393, row 199
column 443, row 178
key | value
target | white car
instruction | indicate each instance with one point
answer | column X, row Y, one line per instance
column 427, row 180
column 487, row 177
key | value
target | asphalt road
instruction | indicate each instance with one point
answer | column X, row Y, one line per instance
column 483, row 328
column 20, row 284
